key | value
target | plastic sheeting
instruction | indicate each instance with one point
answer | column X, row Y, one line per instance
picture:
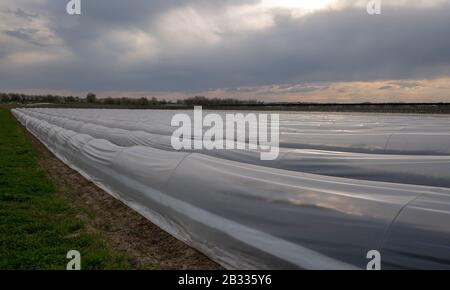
column 364, row 133
column 401, row 168
column 251, row 215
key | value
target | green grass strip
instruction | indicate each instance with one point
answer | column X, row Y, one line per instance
column 37, row 226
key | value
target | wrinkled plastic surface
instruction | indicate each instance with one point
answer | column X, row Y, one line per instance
column 249, row 214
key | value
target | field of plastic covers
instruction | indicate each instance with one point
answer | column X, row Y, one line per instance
column 344, row 184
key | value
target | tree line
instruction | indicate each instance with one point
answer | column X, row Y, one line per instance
column 91, row 98
column 91, row 101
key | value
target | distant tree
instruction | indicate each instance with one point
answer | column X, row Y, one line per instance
column 124, row 101
column 143, row 102
column 109, row 101
column 203, row 101
column 91, row 98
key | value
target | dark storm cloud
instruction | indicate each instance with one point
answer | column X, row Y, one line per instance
column 22, row 14
column 334, row 46
column 345, row 45
column 25, row 34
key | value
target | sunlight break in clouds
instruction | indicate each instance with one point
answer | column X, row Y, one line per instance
column 306, row 5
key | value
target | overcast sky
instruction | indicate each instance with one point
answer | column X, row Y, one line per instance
column 281, row 50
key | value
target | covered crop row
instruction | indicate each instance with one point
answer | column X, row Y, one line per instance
column 432, row 170
column 402, row 134
column 250, row 216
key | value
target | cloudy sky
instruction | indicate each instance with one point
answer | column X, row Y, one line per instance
column 280, row 50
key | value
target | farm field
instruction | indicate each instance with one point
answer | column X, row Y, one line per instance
column 47, row 209
column 344, row 184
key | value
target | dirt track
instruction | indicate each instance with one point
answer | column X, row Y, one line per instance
column 123, row 228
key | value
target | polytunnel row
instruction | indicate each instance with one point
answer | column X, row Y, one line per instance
column 291, row 122
column 251, row 217
column 418, row 169
column 430, row 140
column 135, row 135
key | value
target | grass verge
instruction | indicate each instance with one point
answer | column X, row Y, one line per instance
column 37, row 226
